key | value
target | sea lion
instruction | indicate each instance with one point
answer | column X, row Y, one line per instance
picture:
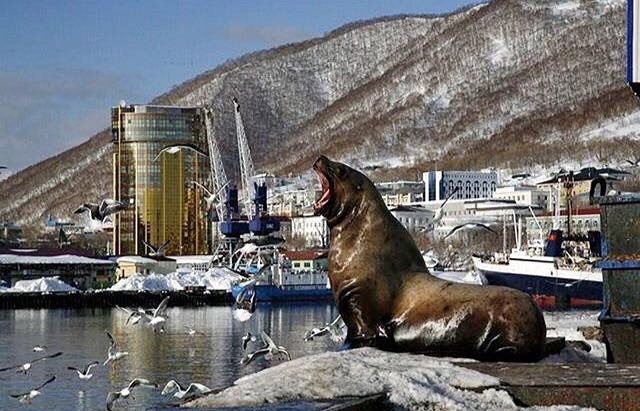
column 387, row 297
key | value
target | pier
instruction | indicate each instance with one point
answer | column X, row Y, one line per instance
column 109, row 299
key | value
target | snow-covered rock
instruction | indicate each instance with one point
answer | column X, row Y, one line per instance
column 413, row 382
column 44, row 284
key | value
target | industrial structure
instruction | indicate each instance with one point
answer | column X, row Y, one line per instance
column 163, row 203
column 470, row 184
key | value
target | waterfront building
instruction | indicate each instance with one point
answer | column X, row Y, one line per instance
column 402, row 192
column 292, row 203
column 470, row 184
column 312, row 229
column 308, row 260
column 164, row 204
column 414, row 218
column 137, row 265
column 582, row 222
column 527, row 195
column 73, row 266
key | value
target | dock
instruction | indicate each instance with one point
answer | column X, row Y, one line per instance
column 109, row 299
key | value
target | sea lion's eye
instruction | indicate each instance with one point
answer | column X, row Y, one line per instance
column 340, row 172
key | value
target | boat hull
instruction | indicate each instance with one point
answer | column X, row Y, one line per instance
column 550, row 287
column 292, row 293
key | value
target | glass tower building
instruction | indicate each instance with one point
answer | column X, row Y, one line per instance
column 163, row 203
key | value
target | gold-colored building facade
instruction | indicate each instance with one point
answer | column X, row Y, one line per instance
column 163, row 202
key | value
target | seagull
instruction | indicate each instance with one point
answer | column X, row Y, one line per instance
column 132, row 316
column 23, row 368
column 100, row 212
column 27, row 397
column 439, row 211
column 3, row 167
column 248, row 337
column 39, row 348
column 332, row 329
column 245, row 304
column 84, row 373
column 158, row 318
column 113, row 354
column 174, row 148
column 180, row 392
column 192, row 332
column 125, row 392
column 211, row 197
column 469, row 226
column 269, row 350
column 155, row 250
column 633, row 163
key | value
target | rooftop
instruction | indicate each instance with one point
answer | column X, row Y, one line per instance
column 305, row 254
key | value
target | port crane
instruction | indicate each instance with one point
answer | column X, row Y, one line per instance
column 255, row 195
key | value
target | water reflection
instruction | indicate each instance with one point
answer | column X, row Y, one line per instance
column 212, row 358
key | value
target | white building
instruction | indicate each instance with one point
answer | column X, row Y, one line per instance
column 527, row 195
column 313, row 229
column 470, row 184
column 401, row 192
column 292, row 203
column 416, row 219
column 582, row 221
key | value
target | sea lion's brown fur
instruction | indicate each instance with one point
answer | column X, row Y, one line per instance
column 388, row 299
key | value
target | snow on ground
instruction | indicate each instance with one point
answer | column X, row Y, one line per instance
column 501, row 54
column 414, row 382
column 217, row 278
column 44, row 284
column 565, row 324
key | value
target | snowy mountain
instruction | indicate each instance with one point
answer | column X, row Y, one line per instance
column 510, row 83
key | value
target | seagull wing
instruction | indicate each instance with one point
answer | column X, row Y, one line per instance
column 198, row 387
column 285, row 352
column 112, row 342
column 89, row 366
column 163, row 247
column 249, row 357
column 336, row 321
column 50, row 380
column 111, row 397
column 203, row 188
column 456, row 228
column 451, row 194
column 141, row 381
column 150, row 247
column 59, row 353
column 196, row 150
column 169, row 386
column 10, row 368
column 131, row 315
column 486, row 228
column 267, row 340
column 161, row 307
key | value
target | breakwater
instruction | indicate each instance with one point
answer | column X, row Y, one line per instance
column 107, row 299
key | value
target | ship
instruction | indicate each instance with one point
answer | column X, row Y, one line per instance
column 270, row 273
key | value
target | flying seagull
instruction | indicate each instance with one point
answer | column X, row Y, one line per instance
column 211, row 197
column 634, row 163
column 332, row 329
column 113, row 354
column 174, row 148
column 39, row 348
column 180, row 392
column 469, row 226
column 132, row 316
column 439, row 211
column 269, row 350
column 156, row 251
column 158, row 317
column 27, row 397
column 23, row 368
column 248, row 337
column 100, row 212
column 245, row 304
column 126, row 392
column 84, row 373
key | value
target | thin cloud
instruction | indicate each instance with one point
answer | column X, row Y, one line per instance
column 271, row 35
column 43, row 112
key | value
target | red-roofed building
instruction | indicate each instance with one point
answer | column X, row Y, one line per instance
column 308, row 260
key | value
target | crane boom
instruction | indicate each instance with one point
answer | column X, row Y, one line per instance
column 247, row 170
column 218, row 175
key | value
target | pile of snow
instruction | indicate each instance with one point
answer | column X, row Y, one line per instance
column 44, row 284
column 216, row 278
column 413, row 382
column 3, row 289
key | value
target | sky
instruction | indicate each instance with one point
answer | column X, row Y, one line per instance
column 63, row 64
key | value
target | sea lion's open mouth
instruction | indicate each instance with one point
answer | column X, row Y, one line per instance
column 322, row 202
